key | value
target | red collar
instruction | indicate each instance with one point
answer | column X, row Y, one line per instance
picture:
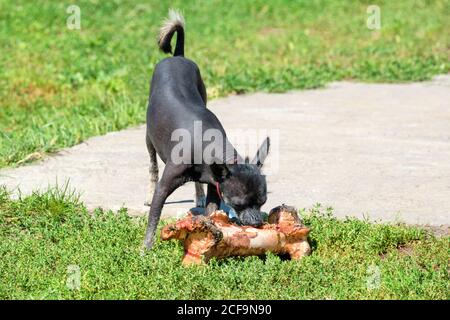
column 235, row 161
column 218, row 191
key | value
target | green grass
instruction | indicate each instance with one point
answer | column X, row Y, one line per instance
column 60, row 86
column 42, row 235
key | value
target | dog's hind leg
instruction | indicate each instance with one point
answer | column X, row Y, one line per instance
column 153, row 170
column 200, row 199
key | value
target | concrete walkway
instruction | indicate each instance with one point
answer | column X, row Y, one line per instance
column 381, row 150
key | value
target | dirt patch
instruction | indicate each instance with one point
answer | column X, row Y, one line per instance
column 270, row 31
column 438, row 231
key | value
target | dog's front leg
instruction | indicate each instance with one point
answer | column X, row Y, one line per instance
column 212, row 199
column 171, row 179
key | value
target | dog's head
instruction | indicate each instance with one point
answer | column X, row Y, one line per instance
column 243, row 187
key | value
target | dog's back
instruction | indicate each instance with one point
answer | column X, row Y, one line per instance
column 178, row 78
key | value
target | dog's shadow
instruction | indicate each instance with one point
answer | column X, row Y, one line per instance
column 227, row 209
column 179, row 201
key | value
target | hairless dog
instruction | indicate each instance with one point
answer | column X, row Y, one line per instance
column 177, row 109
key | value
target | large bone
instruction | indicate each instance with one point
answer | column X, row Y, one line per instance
column 214, row 236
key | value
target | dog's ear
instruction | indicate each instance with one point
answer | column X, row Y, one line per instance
column 262, row 153
column 220, row 171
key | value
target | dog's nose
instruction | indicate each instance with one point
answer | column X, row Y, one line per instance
column 251, row 217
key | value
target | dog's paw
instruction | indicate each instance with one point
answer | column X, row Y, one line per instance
column 148, row 199
column 148, row 203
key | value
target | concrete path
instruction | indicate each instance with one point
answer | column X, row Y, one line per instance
column 381, row 150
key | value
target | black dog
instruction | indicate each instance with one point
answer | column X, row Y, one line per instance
column 178, row 102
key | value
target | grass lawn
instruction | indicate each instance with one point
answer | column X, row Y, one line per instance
column 60, row 86
column 45, row 237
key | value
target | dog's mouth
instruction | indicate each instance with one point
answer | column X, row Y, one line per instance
column 251, row 217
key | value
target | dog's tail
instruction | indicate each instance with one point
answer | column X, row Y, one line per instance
column 175, row 22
